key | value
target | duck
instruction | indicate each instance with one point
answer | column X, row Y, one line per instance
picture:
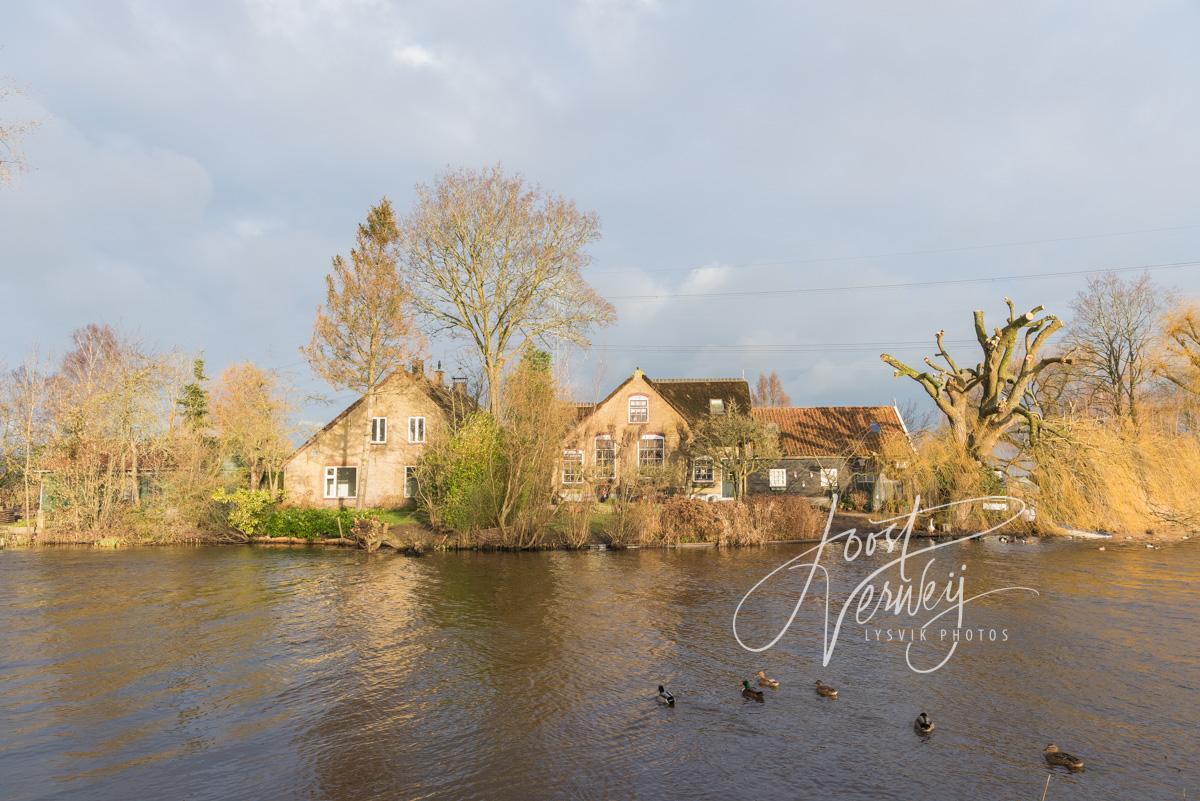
column 1056, row 757
column 763, row 681
column 825, row 690
column 923, row 724
column 753, row 695
column 1003, row 538
column 664, row 696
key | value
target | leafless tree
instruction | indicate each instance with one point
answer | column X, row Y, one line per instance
column 24, row 407
column 365, row 333
column 498, row 263
column 12, row 157
column 983, row 402
column 768, row 391
column 1113, row 331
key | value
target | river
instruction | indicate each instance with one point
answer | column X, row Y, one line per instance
column 262, row 673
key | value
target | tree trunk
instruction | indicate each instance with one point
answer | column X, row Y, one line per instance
column 360, row 491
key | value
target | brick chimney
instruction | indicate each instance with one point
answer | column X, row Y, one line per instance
column 418, row 368
column 439, row 376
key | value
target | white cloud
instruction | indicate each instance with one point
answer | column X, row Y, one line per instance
column 415, row 56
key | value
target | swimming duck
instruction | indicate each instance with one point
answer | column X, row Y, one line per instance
column 763, row 681
column 825, row 690
column 1056, row 757
column 664, row 696
column 753, row 695
column 923, row 724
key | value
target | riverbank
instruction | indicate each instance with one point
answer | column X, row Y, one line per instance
column 414, row 538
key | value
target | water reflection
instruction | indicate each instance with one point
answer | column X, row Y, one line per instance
column 256, row 673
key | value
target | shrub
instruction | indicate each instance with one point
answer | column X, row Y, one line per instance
column 247, row 511
column 692, row 520
column 312, row 524
column 575, row 521
column 785, row 517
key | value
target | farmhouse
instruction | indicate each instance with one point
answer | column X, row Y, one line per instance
column 410, row 409
column 847, row 449
column 641, row 428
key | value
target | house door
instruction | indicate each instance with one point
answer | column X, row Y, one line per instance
column 727, row 484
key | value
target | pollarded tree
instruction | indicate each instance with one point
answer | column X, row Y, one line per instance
column 497, row 263
column 365, row 333
column 985, row 401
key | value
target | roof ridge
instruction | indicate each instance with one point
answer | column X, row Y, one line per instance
column 692, row 380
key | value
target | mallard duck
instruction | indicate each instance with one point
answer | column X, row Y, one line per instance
column 825, row 690
column 753, row 695
column 664, row 696
column 923, row 724
column 1056, row 757
column 763, row 681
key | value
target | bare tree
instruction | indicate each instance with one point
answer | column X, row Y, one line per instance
column 1113, row 331
column 499, row 264
column 25, row 407
column 250, row 413
column 768, row 391
column 982, row 403
column 365, row 333
column 12, row 158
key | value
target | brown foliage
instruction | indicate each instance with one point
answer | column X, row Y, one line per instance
column 768, row 391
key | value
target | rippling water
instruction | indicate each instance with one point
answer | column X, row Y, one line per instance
column 228, row 673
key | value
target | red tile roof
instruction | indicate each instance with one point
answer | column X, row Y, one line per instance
column 834, row 430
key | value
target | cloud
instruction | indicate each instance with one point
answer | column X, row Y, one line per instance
column 415, row 56
column 199, row 164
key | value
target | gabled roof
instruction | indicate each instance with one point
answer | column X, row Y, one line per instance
column 691, row 396
column 445, row 398
column 806, row 431
column 688, row 396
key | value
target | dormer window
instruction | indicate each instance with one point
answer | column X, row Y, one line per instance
column 639, row 409
column 716, row 407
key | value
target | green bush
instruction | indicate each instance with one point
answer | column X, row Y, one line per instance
column 312, row 524
column 247, row 511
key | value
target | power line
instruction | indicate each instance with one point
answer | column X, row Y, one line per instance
column 900, row 253
column 1178, row 265
column 807, row 347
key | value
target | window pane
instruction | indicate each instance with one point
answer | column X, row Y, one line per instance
column 572, row 469
column 651, row 451
column 778, row 477
column 639, row 409
column 606, row 458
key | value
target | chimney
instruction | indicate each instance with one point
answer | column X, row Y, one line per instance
column 439, row 375
column 418, row 368
column 459, row 383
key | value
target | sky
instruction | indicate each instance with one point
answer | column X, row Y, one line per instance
column 196, row 166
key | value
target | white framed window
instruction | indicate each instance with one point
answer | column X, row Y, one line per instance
column 341, row 482
column 716, row 407
column 829, row 478
column 378, row 430
column 606, row 457
column 410, row 482
column 652, row 450
column 702, row 470
column 778, row 478
column 416, row 429
column 572, row 467
column 639, row 409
